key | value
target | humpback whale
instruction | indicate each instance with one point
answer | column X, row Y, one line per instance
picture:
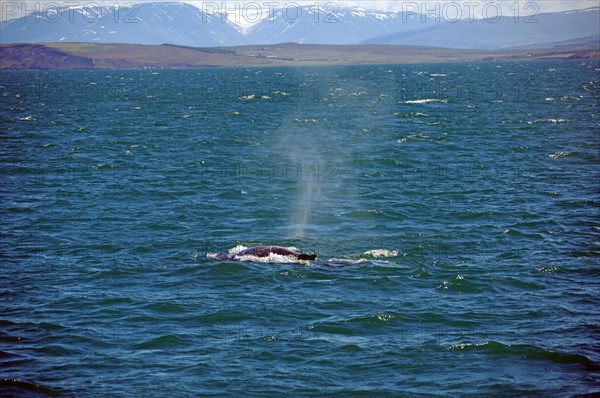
column 264, row 252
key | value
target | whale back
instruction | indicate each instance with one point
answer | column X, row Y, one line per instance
column 266, row 251
column 310, row 257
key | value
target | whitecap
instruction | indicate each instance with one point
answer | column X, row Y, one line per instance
column 462, row 346
column 570, row 98
column 557, row 155
column 378, row 212
column 553, row 121
column 426, row 101
column 235, row 250
column 412, row 137
column 381, row 253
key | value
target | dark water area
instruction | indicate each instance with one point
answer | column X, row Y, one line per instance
column 455, row 211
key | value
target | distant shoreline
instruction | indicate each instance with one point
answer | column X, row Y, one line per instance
column 74, row 56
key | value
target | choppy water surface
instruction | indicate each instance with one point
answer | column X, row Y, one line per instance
column 454, row 209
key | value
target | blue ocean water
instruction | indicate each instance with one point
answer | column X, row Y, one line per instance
column 454, row 208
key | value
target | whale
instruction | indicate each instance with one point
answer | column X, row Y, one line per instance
column 267, row 251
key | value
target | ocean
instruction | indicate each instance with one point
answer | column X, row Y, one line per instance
column 454, row 209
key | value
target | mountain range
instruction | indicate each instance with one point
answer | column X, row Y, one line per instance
column 184, row 24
